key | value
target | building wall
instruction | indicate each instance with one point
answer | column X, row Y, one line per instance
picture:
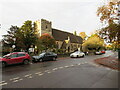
column 59, row 44
column 44, row 26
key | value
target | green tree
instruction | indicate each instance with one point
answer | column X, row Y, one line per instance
column 46, row 42
column 10, row 38
column 22, row 37
column 28, row 36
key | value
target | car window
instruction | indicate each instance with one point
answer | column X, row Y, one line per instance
column 76, row 52
column 13, row 56
column 6, row 55
column 42, row 54
column 21, row 54
column 48, row 54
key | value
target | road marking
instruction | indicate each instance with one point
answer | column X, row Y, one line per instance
column 28, row 75
column 60, row 67
column 3, row 84
column 66, row 66
column 38, row 72
column 41, row 74
column 54, row 69
column 15, row 78
column 71, row 65
column 46, row 70
column 18, row 80
column 2, row 81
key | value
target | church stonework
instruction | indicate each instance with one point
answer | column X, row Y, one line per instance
column 44, row 26
column 64, row 40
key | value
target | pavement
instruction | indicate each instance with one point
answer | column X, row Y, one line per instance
column 111, row 61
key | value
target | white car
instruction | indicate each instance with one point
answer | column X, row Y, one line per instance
column 98, row 53
column 77, row 54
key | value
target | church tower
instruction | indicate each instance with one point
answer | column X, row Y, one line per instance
column 43, row 26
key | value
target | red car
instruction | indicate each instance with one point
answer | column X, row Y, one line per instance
column 103, row 52
column 14, row 58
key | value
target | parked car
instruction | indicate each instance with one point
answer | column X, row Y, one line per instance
column 103, row 51
column 44, row 56
column 98, row 53
column 77, row 54
column 14, row 58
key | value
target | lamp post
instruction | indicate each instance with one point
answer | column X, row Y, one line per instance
column 13, row 46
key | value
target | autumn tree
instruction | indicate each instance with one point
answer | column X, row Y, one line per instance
column 93, row 43
column 83, row 35
column 46, row 42
column 109, row 16
column 108, row 13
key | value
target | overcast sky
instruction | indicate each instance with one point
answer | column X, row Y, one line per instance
column 66, row 15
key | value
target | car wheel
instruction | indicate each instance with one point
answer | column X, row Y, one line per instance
column 26, row 62
column 34, row 60
column 41, row 60
column 77, row 56
column 83, row 56
column 54, row 58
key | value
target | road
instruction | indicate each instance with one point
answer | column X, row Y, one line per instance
column 63, row 73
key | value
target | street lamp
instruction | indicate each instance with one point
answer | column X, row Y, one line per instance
column 13, row 46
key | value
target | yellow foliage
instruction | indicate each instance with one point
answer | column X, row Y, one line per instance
column 93, row 42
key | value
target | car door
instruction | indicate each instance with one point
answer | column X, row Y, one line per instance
column 51, row 55
column 47, row 56
column 20, row 57
column 12, row 59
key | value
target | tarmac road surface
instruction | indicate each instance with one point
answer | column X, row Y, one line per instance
column 63, row 73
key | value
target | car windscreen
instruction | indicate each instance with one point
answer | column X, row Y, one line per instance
column 42, row 54
column 6, row 55
column 77, row 52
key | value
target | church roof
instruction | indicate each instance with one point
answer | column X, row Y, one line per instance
column 62, row 35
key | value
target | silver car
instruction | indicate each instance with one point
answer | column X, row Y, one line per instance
column 77, row 54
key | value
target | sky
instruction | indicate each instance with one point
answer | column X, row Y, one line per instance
column 65, row 15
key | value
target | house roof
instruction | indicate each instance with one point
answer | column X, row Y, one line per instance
column 62, row 35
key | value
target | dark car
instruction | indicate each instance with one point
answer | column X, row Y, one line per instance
column 44, row 57
column 14, row 58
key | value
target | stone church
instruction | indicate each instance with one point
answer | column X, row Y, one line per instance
column 64, row 40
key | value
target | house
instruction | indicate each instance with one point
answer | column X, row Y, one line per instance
column 64, row 40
